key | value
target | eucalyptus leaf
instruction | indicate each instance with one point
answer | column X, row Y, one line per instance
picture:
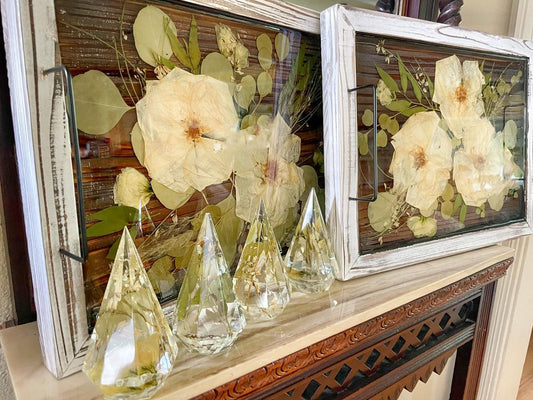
column 218, row 67
column 263, row 41
column 264, row 84
column 393, row 126
column 382, row 138
column 362, row 143
column 149, row 32
column 137, row 142
column 387, row 79
column 245, row 91
column 248, row 120
column 446, row 209
column 398, row 105
column 368, row 118
column 265, row 58
column 98, row 102
column 194, row 47
column 383, row 120
column 447, row 194
column 168, row 197
column 282, row 45
column 510, row 132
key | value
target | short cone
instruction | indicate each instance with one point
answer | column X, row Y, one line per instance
column 208, row 317
column 132, row 348
column 310, row 261
column 260, row 281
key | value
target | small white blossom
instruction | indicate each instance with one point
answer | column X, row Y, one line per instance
column 131, row 189
column 384, row 94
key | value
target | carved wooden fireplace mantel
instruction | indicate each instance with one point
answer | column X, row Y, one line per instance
column 368, row 338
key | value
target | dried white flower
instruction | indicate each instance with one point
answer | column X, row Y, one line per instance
column 131, row 189
column 383, row 93
column 458, row 92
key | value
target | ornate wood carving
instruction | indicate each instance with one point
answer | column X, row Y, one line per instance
column 338, row 345
column 360, row 368
column 386, row 6
column 409, row 382
column 450, row 12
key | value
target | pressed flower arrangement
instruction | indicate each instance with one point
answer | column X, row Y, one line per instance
column 450, row 160
column 183, row 112
column 449, row 131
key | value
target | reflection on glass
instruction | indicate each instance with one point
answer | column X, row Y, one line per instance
column 260, row 281
column 208, row 317
column 132, row 348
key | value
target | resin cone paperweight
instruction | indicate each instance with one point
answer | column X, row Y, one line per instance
column 310, row 261
column 260, row 282
column 132, row 348
column 208, row 317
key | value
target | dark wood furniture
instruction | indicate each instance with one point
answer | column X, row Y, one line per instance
column 443, row 11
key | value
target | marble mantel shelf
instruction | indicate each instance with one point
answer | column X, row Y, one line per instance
column 307, row 320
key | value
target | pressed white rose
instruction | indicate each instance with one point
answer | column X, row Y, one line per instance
column 512, row 173
column 384, row 94
column 458, row 92
column 131, row 189
column 266, row 169
column 250, row 146
column 422, row 160
column 186, row 122
column 479, row 167
column 278, row 182
column 422, row 227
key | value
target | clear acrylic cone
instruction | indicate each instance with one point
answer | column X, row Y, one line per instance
column 132, row 348
column 260, row 282
column 208, row 317
column 310, row 261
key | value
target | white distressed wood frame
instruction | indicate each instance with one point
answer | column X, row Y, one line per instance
column 339, row 25
column 45, row 169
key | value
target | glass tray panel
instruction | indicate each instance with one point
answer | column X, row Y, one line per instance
column 475, row 179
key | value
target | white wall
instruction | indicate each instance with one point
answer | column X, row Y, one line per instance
column 490, row 16
column 7, row 312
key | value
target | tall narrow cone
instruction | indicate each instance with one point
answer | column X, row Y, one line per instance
column 310, row 261
column 132, row 348
column 260, row 281
column 208, row 317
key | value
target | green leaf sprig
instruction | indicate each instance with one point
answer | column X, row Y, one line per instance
column 111, row 219
column 188, row 53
